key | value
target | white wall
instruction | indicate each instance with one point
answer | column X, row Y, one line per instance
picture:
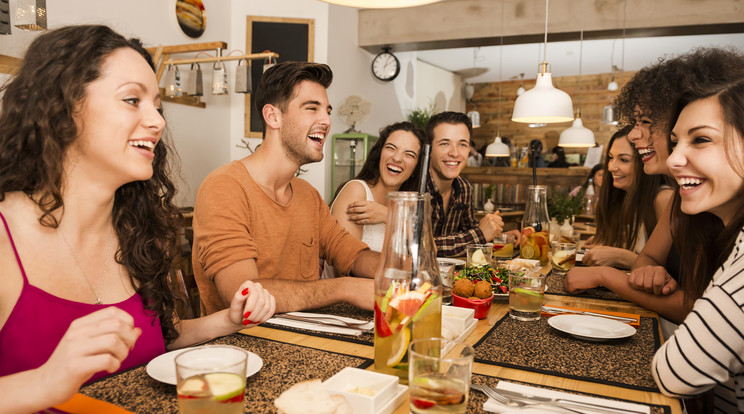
column 439, row 87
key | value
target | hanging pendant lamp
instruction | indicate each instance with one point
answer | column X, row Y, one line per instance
column 498, row 148
column 578, row 136
column 543, row 103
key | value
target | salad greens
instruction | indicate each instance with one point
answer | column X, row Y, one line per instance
column 498, row 278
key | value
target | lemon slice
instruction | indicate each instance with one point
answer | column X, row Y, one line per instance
column 528, row 252
column 224, row 385
column 478, row 259
column 399, row 347
column 526, row 292
column 193, row 385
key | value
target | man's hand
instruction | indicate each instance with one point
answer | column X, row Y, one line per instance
column 652, row 279
column 579, row 279
column 366, row 212
column 491, row 225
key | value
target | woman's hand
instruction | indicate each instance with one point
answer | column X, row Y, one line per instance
column 589, row 243
column 96, row 342
column 366, row 212
column 602, row 256
column 579, row 279
column 251, row 305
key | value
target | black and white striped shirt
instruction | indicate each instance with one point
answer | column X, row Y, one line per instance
column 707, row 350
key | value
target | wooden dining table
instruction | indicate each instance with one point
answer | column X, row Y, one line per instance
column 324, row 356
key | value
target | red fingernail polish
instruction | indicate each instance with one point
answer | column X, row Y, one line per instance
column 246, row 315
column 246, row 321
column 246, row 291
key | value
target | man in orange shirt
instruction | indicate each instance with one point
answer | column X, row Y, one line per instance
column 254, row 220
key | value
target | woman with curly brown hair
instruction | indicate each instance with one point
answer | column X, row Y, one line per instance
column 89, row 223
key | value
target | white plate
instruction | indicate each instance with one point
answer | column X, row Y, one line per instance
column 446, row 261
column 163, row 367
column 591, row 328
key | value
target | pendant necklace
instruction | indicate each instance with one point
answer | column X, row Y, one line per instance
column 98, row 300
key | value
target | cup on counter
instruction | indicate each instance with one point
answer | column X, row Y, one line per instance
column 211, row 379
column 439, row 383
column 447, row 269
column 479, row 254
column 563, row 257
column 526, row 293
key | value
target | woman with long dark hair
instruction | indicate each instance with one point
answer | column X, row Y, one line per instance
column 628, row 206
column 392, row 165
column 88, row 221
column 707, row 162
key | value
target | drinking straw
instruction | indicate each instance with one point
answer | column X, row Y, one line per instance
column 419, row 223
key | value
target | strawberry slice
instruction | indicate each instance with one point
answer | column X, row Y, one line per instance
column 381, row 326
column 503, row 289
column 421, row 403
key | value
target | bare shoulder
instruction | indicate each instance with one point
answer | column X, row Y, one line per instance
column 663, row 201
column 353, row 191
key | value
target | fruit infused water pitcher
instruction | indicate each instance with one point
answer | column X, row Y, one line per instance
column 408, row 287
column 211, row 379
column 535, row 226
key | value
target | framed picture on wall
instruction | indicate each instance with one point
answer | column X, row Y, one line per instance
column 292, row 39
column 191, row 17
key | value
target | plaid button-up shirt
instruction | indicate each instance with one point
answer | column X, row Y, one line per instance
column 458, row 228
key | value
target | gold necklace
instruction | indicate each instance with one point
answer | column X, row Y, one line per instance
column 98, row 300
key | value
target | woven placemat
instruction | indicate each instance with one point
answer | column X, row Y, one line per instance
column 554, row 286
column 477, row 399
column 536, row 346
column 339, row 309
column 283, row 365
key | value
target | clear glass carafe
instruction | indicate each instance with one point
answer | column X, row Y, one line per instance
column 408, row 287
column 535, row 225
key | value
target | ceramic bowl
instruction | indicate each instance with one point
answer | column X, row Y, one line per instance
column 479, row 306
column 366, row 391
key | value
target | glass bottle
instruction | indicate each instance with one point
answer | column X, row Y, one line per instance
column 589, row 199
column 535, row 225
column 408, row 287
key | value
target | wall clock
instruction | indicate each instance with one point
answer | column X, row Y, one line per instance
column 385, row 65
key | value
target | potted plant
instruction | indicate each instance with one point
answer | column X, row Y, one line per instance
column 562, row 207
column 488, row 205
column 420, row 116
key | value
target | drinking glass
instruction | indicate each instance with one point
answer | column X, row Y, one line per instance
column 479, row 254
column 563, row 257
column 211, row 379
column 437, row 383
column 526, row 293
column 503, row 246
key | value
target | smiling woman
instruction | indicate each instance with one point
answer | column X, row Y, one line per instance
column 392, row 165
column 708, row 163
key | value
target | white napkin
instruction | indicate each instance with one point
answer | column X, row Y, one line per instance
column 321, row 328
column 493, row 406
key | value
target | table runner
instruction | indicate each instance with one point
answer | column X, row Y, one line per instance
column 476, row 398
column 536, row 346
column 554, row 286
column 284, row 365
column 339, row 309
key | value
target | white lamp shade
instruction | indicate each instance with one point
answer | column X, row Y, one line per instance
column 608, row 115
column 543, row 103
column 497, row 149
column 577, row 136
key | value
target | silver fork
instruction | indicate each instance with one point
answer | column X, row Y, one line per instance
column 492, row 393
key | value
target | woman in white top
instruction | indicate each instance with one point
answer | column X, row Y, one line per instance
column 625, row 214
column 707, row 350
column 392, row 165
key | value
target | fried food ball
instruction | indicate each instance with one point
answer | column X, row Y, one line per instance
column 463, row 288
column 483, row 289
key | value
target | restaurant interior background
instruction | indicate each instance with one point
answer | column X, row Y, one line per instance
column 348, row 39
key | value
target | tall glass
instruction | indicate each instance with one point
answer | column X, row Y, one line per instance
column 535, row 225
column 526, row 293
column 439, row 384
column 408, row 287
column 211, row 379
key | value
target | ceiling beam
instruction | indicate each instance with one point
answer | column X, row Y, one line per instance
column 472, row 23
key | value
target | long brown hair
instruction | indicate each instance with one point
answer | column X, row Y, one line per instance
column 37, row 128
column 703, row 241
column 622, row 214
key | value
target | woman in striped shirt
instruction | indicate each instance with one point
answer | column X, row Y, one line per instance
column 707, row 350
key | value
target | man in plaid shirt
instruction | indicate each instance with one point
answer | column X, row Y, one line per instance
column 453, row 213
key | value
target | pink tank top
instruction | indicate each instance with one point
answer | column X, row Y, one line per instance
column 39, row 320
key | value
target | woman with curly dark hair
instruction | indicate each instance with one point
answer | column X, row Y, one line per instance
column 89, row 223
column 392, row 165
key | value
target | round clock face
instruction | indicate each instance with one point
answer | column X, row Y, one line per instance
column 385, row 66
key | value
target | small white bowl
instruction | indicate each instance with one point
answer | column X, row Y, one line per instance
column 349, row 381
column 457, row 318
